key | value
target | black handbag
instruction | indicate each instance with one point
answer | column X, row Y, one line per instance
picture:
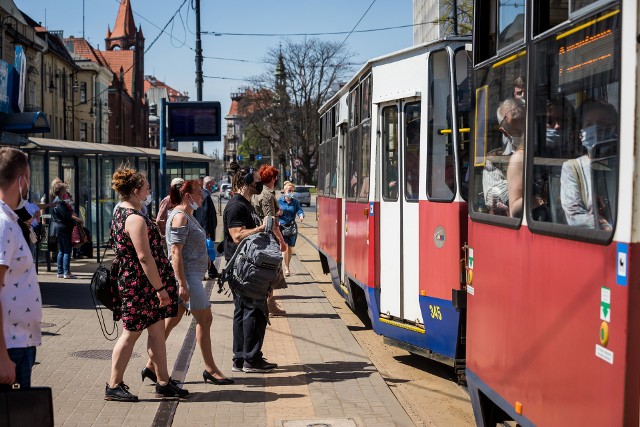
column 104, row 291
column 26, row 407
column 290, row 229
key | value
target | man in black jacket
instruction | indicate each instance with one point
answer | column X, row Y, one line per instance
column 207, row 217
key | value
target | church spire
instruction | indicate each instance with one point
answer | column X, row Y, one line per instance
column 124, row 31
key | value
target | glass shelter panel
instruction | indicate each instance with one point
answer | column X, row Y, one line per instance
column 38, row 188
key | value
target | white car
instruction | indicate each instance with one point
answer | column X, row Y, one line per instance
column 302, row 194
column 225, row 191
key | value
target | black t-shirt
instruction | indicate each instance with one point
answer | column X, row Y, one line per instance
column 237, row 213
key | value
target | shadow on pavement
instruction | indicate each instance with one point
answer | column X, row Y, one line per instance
column 66, row 295
column 244, row 396
column 313, row 315
column 427, row 365
column 329, row 372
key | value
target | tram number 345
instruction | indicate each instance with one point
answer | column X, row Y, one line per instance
column 435, row 312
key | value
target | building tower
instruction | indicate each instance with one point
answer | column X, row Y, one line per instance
column 129, row 65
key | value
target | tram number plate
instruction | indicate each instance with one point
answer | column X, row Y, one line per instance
column 435, row 312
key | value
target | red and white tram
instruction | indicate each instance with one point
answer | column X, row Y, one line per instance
column 391, row 198
column 495, row 224
column 552, row 332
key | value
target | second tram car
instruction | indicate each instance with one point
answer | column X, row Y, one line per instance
column 486, row 215
column 390, row 233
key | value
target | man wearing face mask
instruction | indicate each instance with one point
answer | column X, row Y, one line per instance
column 503, row 196
column 20, row 301
column 249, row 316
column 577, row 194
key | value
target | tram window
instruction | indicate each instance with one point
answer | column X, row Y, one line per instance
column 412, row 151
column 365, row 159
column 464, row 71
column 575, row 147
column 366, row 98
column 354, row 108
column 334, row 166
column 390, row 153
column 549, row 13
column 352, row 175
column 441, row 182
column 497, row 187
column 510, row 22
column 321, row 167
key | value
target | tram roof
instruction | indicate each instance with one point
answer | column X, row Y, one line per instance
column 92, row 148
column 373, row 61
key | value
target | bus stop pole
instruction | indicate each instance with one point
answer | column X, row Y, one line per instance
column 163, row 149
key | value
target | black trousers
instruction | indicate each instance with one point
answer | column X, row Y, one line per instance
column 249, row 327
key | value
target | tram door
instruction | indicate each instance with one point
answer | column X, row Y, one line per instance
column 399, row 210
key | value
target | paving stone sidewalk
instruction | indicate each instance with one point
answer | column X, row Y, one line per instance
column 323, row 374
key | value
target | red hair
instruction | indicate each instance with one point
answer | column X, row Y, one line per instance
column 268, row 172
column 177, row 192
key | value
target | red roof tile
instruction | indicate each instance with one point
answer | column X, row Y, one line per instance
column 125, row 25
column 82, row 48
column 150, row 81
column 116, row 59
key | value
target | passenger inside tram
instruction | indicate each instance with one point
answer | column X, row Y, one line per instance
column 586, row 181
column 504, row 195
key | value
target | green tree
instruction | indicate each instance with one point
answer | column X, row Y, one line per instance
column 281, row 107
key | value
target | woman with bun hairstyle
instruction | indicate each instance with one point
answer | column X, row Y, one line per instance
column 290, row 209
column 186, row 244
column 146, row 287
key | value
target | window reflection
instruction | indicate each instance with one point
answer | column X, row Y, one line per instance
column 390, row 153
column 511, row 22
column 412, row 151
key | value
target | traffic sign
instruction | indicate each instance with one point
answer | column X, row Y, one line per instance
column 297, row 162
column 239, row 157
column 258, row 156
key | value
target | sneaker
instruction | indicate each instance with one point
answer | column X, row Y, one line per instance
column 259, row 366
column 70, row 276
column 60, row 276
column 170, row 389
column 119, row 393
column 237, row 365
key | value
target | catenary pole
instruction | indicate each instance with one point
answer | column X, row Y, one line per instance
column 199, row 78
column 163, row 149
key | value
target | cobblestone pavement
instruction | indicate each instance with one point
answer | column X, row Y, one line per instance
column 323, row 375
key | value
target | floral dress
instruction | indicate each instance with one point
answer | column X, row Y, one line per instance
column 138, row 304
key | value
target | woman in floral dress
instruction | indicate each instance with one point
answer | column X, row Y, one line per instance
column 147, row 289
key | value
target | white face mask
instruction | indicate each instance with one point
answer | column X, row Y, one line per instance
column 23, row 201
column 147, row 201
column 288, row 196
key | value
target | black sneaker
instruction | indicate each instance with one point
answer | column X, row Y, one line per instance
column 258, row 366
column 237, row 365
column 119, row 393
column 170, row 389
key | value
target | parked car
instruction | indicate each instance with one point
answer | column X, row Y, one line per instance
column 303, row 194
column 225, row 190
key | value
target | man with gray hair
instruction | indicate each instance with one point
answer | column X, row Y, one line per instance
column 207, row 217
column 20, row 300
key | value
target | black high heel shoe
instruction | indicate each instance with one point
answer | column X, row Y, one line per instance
column 148, row 373
column 208, row 377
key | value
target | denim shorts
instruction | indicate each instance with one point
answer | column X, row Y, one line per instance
column 198, row 299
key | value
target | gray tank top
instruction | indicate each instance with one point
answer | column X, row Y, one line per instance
column 193, row 238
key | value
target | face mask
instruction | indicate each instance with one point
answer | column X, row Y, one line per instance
column 147, row 201
column 193, row 205
column 593, row 135
column 553, row 138
column 259, row 186
column 288, row 196
column 23, row 200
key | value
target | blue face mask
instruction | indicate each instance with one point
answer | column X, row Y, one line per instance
column 594, row 135
column 288, row 196
column 553, row 138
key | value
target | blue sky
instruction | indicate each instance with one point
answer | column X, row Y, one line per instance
column 172, row 60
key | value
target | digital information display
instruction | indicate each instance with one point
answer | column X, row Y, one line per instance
column 593, row 54
column 194, row 121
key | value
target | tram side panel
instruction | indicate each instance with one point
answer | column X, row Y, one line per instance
column 356, row 245
column 329, row 235
column 534, row 327
column 443, row 232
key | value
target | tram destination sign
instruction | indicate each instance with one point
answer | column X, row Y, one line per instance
column 194, row 121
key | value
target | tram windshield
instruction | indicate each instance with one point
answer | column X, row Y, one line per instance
column 575, row 145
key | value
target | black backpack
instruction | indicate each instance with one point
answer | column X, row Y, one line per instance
column 104, row 291
column 256, row 265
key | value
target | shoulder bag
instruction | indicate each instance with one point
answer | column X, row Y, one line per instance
column 26, row 407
